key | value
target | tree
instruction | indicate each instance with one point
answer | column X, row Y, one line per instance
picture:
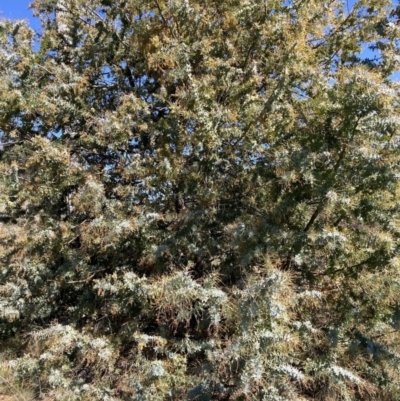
column 200, row 200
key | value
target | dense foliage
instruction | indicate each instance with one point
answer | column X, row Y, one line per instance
column 199, row 200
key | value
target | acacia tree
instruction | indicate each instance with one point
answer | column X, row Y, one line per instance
column 200, row 200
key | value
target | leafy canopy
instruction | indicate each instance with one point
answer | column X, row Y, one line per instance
column 200, row 200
